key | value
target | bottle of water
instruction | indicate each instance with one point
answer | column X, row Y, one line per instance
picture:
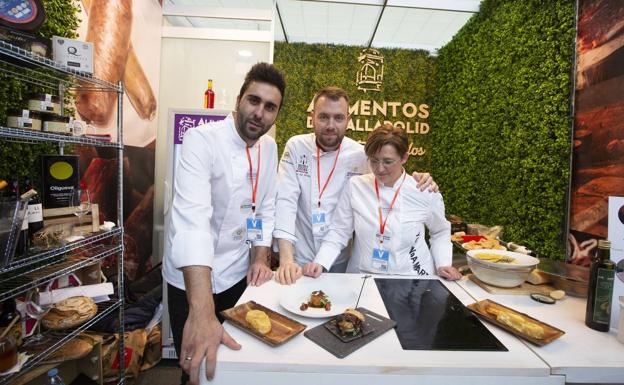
column 54, row 378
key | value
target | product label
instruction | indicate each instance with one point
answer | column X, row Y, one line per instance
column 604, row 291
column 35, row 213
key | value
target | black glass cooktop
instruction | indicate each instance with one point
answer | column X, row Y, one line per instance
column 430, row 317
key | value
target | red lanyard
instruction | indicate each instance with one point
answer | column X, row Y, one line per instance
column 318, row 172
column 382, row 222
column 254, row 186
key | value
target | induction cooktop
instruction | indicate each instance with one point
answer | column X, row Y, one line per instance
column 430, row 317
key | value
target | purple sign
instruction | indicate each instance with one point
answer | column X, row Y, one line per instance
column 184, row 122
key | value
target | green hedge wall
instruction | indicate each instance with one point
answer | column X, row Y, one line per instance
column 408, row 77
column 22, row 159
column 502, row 118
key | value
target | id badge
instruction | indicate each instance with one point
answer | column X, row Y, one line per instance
column 254, row 229
column 380, row 259
column 319, row 223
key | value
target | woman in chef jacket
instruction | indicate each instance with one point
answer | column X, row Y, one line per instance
column 388, row 213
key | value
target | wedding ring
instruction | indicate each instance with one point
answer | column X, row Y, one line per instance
column 188, row 358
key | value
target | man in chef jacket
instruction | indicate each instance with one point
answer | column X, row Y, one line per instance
column 313, row 171
column 223, row 210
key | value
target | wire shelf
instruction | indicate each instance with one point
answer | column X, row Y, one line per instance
column 15, row 285
column 31, row 136
column 55, row 340
column 60, row 73
column 48, row 255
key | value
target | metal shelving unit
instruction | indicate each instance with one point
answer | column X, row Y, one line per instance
column 30, row 272
column 30, row 136
column 54, row 340
column 46, row 256
column 16, row 285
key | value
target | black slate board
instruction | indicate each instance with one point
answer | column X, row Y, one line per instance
column 328, row 341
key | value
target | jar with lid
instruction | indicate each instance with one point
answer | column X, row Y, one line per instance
column 44, row 103
column 8, row 353
column 29, row 120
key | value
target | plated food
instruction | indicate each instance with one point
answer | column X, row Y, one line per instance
column 263, row 323
column 318, row 299
column 259, row 320
column 485, row 243
column 303, row 298
column 519, row 324
column 350, row 322
column 349, row 325
column 495, row 258
column 502, row 274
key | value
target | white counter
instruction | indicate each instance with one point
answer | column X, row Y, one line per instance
column 301, row 361
column 582, row 354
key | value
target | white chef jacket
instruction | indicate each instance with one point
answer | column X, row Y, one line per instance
column 212, row 201
column 357, row 211
column 298, row 191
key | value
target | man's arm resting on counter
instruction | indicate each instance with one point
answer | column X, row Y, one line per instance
column 288, row 271
column 259, row 270
column 202, row 331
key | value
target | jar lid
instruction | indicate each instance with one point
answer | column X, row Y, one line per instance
column 55, row 118
column 43, row 97
column 604, row 244
column 19, row 113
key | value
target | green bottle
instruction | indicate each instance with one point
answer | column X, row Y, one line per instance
column 600, row 293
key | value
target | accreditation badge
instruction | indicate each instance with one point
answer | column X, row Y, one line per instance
column 319, row 222
column 254, row 229
column 380, row 259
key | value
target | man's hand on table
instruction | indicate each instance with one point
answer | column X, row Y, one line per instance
column 312, row 269
column 449, row 272
column 201, row 339
column 424, row 181
column 259, row 272
column 288, row 273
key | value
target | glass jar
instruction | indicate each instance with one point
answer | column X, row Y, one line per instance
column 8, row 353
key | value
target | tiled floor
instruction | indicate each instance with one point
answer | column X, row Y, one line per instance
column 166, row 372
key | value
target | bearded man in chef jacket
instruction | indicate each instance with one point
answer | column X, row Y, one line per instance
column 223, row 210
column 313, row 172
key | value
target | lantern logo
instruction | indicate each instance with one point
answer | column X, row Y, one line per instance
column 370, row 75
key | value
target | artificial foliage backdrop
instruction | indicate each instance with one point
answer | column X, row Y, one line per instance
column 501, row 118
column 22, row 160
column 408, row 77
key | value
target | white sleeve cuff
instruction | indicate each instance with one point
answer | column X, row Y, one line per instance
column 281, row 234
column 327, row 255
column 192, row 248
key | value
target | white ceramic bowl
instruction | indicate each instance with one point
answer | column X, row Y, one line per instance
column 501, row 274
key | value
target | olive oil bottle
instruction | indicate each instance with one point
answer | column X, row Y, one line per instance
column 600, row 293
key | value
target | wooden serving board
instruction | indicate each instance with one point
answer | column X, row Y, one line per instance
column 282, row 328
column 526, row 288
column 550, row 333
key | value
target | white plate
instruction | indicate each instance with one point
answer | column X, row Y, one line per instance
column 341, row 298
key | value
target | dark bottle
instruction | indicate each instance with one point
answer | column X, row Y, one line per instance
column 35, row 212
column 600, row 293
column 8, row 311
column 22, row 239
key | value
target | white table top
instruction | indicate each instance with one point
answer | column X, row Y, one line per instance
column 582, row 354
column 382, row 357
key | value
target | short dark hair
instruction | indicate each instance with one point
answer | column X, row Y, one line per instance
column 264, row 73
column 386, row 134
column 331, row 93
